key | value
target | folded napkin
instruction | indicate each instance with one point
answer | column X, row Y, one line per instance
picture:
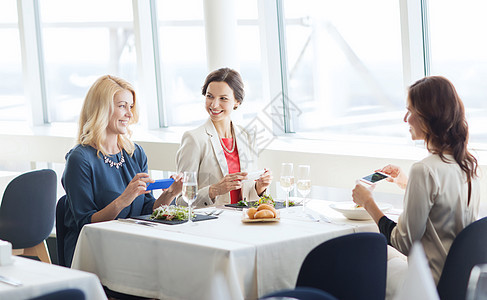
column 419, row 283
column 5, row 253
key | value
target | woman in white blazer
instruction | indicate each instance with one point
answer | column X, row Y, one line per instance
column 220, row 151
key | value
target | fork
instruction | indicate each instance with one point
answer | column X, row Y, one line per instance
column 209, row 213
column 218, row 212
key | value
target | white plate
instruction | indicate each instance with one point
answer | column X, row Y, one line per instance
column 351, row 212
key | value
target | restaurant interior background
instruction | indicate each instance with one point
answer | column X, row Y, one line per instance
column 325, row 81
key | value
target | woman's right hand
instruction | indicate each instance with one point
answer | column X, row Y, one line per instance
column 136, row 187
column 228, row 183
column 397, row 175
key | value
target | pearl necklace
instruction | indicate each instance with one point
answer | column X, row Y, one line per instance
column 233, row 146
column 111, row 163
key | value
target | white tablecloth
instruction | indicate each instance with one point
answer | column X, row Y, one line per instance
column 39, row 278
column 215, row 259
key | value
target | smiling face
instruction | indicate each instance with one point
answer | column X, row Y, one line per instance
column 414, row 122
column 122, row 113
column 220, row 101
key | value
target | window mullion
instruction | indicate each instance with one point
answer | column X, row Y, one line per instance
column 33, row 60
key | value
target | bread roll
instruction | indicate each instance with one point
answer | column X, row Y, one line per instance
column 251, row 212
column 264, row 214
column 269, row 207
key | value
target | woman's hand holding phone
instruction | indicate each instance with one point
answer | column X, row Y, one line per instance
column 396, row 175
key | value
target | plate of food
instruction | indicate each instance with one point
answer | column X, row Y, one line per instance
column 262, row 213
column 265, row 199
column 172, row 215
column 354, row 212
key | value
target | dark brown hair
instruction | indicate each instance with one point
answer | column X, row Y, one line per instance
column 442, row 117
column 231, row 77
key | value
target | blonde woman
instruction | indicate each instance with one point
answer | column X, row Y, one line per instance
column 106, row 173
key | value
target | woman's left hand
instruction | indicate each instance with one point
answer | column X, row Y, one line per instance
column 362, row 195
column 177, row 186
column 263, row 182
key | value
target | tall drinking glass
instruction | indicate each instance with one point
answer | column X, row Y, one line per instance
column 190, row 189
column 304, row 182
column 287, row 179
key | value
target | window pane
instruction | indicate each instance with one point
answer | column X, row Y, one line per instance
column 345, row 67
column 183, row 60
column 459, row 52
column 184, row 66
column 249, row 54
column 13, row 105
column 83, row 40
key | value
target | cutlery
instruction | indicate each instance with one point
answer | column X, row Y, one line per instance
column 209, row 213
column 10, row 281
column 312, row 218
column 137, row 222
column 218, row 212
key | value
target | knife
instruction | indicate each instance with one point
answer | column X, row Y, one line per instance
column 10, row 281
column 132, row 221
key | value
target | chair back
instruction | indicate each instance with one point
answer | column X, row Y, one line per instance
column 348, row 267
column 477, row 284
column 60, row 230
column 467, row 250
column 300, row 293
column 71, row 294
column 27, row 209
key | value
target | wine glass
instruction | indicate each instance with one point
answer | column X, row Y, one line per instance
column 287, row 179
column 190, row 188
column 304, row 182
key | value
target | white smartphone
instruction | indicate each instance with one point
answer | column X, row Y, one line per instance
column 374, row 177
column 252, row 176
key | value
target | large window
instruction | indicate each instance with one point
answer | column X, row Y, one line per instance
column 459, row 52
column 183, row 60
column 184, row 65
column 12, row 100
column 344, row 67
column 83, row 40
column 346, row 62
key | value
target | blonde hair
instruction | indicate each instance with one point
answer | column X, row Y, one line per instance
column 97, row 110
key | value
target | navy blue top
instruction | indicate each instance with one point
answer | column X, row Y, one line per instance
column 91, row 184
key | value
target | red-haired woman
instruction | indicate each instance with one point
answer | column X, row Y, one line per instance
column 442, row 192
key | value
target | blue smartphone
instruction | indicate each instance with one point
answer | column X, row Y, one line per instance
column 160, row 184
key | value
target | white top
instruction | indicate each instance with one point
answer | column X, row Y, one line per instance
column 201, row 152
column 435, row 209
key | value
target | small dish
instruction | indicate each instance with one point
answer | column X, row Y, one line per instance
column 246, row 219
column 350, row 211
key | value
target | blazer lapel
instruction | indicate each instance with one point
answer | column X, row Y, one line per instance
column 217, row 148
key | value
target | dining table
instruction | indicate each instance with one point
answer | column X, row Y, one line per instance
column 26, row 278
column 221, row 258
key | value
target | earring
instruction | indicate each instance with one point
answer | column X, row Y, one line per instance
column 235, row 107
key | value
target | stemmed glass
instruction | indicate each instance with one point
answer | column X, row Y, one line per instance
column 304, row 182
column 190, row 189
column 287, row 179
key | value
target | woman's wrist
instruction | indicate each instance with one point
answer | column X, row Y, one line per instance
column 212, row 193
column 260, row 190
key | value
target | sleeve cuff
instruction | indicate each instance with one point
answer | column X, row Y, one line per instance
column 386, row 226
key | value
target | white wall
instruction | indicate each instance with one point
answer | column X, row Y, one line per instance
column 332, row 164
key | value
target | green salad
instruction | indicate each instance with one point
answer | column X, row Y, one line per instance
column 242, row 203
column 171, row 212
column 265, row 199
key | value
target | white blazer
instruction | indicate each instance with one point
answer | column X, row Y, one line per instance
column 202, row 152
